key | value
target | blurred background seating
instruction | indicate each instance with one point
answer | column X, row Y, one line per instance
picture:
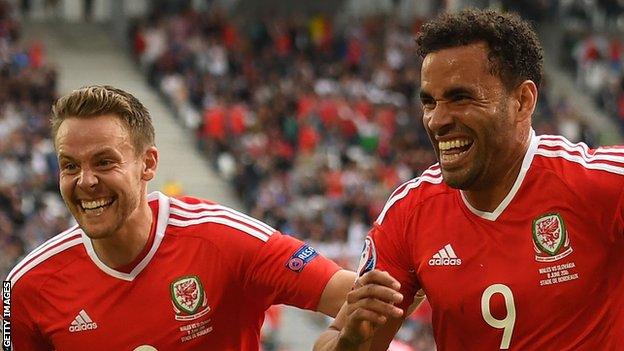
column 310, row 113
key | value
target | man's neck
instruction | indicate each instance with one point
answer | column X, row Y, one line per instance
column 126, row 244
column 492, row 192
column 489, row 199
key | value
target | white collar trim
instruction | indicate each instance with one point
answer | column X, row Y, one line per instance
column 526, row 163
column 161, row 225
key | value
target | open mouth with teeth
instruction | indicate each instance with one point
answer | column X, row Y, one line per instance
column 453, row 150
column 96, row 207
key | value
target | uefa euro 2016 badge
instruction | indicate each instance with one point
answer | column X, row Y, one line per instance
column 188, row 297
column 368, row 260
column 301, row 258
column 550, row 238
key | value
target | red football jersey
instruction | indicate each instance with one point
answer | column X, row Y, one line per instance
column 544, row 271
column 204, row 284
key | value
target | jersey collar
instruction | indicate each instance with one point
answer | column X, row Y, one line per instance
column 526, row 163
column 161, row 225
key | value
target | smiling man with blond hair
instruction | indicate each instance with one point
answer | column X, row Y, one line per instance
column 147, row 271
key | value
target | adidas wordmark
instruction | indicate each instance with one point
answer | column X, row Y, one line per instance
column 82, row 322
column 445, row 257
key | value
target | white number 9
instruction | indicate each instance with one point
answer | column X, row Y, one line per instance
column 145, row 348
column 506, row 323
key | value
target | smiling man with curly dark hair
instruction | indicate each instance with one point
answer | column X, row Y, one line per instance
column 515, row 239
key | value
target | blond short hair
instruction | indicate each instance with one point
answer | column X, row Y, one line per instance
column 97, row 100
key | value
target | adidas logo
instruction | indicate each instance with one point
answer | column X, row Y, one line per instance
column 445, row 257
column 82, row 322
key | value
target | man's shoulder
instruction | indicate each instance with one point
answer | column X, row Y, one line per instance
column 204, row 219
column 415, row 192
column 48, row 258
column 578, row 162
column 421, row 188
column 191, row 201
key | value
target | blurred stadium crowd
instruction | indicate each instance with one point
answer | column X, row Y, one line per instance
column 593, row 50
column 31, row 210
column 313, row 121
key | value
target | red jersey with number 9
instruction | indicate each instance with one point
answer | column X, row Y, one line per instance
column 544, row 271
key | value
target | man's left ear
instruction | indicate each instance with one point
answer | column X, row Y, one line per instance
column 150, row 162
column 525, row 96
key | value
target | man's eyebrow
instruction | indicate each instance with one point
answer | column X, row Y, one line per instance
column 63, row 156
column 449, row 93
column 456, row 91
column 424, row 95
column 103, row 152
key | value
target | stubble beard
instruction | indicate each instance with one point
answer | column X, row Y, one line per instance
column 102, row 233
column 462, row 182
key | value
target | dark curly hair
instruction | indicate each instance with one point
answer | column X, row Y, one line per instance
column 515, row 51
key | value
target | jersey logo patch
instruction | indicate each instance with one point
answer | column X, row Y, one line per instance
column 188, row 298
column 82, row 322
column 445, row 257
column 550, row 238
column 300, row 258
column 368, row 260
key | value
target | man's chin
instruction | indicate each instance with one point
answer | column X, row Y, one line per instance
column 93, row 233
column 455, row 185
column 456, row 180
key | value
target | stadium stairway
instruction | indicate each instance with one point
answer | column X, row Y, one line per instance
column 85, row 54
column 562, row 84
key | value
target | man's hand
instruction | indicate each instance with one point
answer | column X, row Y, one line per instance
column 369, row 305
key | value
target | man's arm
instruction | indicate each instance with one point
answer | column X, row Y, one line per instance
column 25, row 338
column 368, row 319
column 25, row 333
column 335, row 292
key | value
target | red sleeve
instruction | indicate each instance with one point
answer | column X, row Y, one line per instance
column 384, row 250
column 287, row 271
column 25, row 334
column 620, row 211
